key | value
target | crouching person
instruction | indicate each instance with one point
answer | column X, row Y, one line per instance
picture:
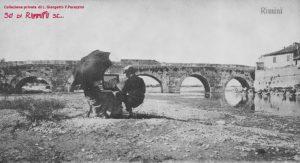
column 133, row 92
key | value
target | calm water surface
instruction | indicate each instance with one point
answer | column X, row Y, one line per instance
column 273, row 104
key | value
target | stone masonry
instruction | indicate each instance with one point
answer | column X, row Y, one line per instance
column 58, row 74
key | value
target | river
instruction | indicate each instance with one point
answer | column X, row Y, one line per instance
column 274, row 104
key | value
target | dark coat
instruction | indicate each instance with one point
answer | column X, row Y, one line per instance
column 135, row 87
column 133, row 92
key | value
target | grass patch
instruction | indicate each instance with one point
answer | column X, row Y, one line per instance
column 34, row 109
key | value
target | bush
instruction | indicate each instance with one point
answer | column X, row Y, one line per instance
column 33, row 109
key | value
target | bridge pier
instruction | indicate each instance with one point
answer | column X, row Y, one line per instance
column 172, row 89
column 170, row 84
column 217, row 89
column 168, row 87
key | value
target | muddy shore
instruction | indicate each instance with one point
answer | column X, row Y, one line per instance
column 165, row 127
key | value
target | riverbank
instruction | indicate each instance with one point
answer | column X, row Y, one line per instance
column 165, row 127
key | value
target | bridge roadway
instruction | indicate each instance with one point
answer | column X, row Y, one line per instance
column 58, row 73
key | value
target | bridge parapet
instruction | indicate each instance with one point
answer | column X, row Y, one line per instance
column 123, row 64
column 228, row 66
column 214, row 66
column 39, row 62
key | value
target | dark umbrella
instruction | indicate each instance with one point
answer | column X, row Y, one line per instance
column 91, row 68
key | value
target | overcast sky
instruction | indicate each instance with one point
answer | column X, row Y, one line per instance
column 199, row 31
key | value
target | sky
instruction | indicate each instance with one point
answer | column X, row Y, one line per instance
column 182, row 31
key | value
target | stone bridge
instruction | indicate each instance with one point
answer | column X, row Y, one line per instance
column 58, row 74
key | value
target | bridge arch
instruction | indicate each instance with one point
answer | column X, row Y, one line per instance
column 244, row 83
column 153, row 77
column 19, row 84
column 202, row 79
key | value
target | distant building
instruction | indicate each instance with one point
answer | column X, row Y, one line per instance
column 279, row 69
column 288, row 56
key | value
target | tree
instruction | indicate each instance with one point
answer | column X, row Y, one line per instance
column 2, row 70
column 4, row 86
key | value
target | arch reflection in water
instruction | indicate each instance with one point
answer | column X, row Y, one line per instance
column 271, row 104
column 240, row 100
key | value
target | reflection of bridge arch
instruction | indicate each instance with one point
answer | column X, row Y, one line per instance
column 28, row 79
column 241, row 80
column 202, row 79
column 153, row 77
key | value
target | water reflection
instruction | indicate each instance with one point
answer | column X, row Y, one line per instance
column 277, row 104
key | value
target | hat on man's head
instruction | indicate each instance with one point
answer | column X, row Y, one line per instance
column 129, row 69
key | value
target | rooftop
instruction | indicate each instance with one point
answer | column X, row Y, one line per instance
column 289, row 49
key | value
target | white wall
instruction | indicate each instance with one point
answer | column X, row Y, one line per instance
column 281, row 60
column 280, row 77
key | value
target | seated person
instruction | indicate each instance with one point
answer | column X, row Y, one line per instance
column 133, row 92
